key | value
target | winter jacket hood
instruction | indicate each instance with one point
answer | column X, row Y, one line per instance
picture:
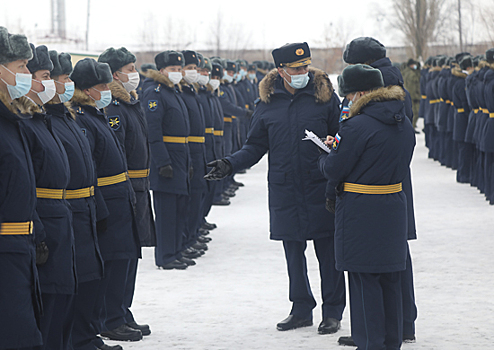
column 319, row 81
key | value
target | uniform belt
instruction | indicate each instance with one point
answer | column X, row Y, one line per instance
column 460, row 110
column 174, row 139
column 112, row 180
column 476, row 111
column 491, row 115
column 80, row 193
column 50, row 193
column 448, row 101
column 485, row 110
column 372, row 189
column 434, row 101
column 197, row 139
column 227, row 119
column 247, row 106
column 424, row 97
column 233, row 117
column 138, row 174
column 209, row 130
column 218, row 133
column 441, row 100
column 16, row 228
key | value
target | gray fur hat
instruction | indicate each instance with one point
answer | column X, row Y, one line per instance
column 359, row 77
column 88, row 73
column 364, row 49
column 41, row 59
column 13, row 47
column 62, row 63
column 147, row 66
column 117, row 58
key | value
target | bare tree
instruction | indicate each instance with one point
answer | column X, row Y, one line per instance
column 421, row 22
column 487, row 18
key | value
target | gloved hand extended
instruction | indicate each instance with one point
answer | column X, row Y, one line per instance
column 221, row 169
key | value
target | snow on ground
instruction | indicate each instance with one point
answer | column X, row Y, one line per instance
column 237, row 292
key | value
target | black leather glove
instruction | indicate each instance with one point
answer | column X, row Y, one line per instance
column 221, row 169
column 191, row 172
column 166, row 171
column 101, row 225
column 330, row 205
column 42, row 253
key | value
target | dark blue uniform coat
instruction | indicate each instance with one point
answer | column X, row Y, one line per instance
column 89, row 263
column 296, row 186
column 120, row 240
column 128, row 121
column 374, row 147
column 19, row 291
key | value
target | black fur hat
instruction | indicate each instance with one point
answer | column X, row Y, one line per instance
column 217, row 71
column 252, row 67
column 428, row 61
column 190, row 57
column 117, row 58
column 359, row 77
column 200, row 58
column 169, row 58
column 231, row 65
column 441, row 61
column 88, row 73
column 459, row 56
column 62, row 63
column 489, row 55
column 364, row 49
column 207, row 64
column 41, row 59
column 466, row 62
column 13, row 47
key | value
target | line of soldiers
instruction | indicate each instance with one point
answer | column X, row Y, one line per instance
column 78, row 159
column 458, row 110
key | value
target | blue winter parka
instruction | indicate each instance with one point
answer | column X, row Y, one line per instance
column 296, row 186
column 374, row 146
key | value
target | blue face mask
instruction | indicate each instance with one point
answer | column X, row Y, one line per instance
column 69, row 92
column 22, row 84
column 238, row 76
column 350, row 103
column 252, row 76
column 104, row 100
column 298, row 81
column 227, row 77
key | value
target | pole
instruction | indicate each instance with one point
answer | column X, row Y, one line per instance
column 459, row 26
column 87, row 26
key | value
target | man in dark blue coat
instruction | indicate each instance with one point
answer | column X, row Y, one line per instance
column 117, row 234
column 20, row 300
column 127, row 120
column 54, row 217
column 295, row 98
column 369, row 160
column 169, row 128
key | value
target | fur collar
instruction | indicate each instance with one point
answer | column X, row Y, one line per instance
column 458, row 73
column 162, row 79
column 262, row 71
column 5, row 100
column 119, row 92
column 80, row 98
column 26, row 106
column 390, row 93
column 323, row 87
column 435, row 69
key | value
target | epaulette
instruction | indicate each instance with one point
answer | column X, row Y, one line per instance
column 257, row 101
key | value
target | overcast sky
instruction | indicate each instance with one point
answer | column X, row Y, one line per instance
column 161, row 24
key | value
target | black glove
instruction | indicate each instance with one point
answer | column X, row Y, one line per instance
column 222, row 168
column 191, row 172
column 42, row 253
column 166, row 171
column 330, row 205
column 101, row 225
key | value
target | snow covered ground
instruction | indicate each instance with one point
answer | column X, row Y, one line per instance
column 237, row 292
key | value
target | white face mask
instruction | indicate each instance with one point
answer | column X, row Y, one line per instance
column 203, row 79
column 175, row 77
column 133, row 81
column 190, row 76
column 214, row 83
column 49, row 92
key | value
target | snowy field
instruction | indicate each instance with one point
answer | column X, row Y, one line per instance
column 237, row 292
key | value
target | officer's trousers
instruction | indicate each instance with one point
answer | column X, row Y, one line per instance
column 130, row 289
column 85, row 304
column 208, row 199
column 408, row 297
column 465, row 156
column 170, row 211
column 376, row 310
column 57, row 321
column 332, row 281
column 194, row 217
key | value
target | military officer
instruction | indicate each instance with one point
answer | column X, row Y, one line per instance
column 126, row 118
column 19, row 298
column 294, row 98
